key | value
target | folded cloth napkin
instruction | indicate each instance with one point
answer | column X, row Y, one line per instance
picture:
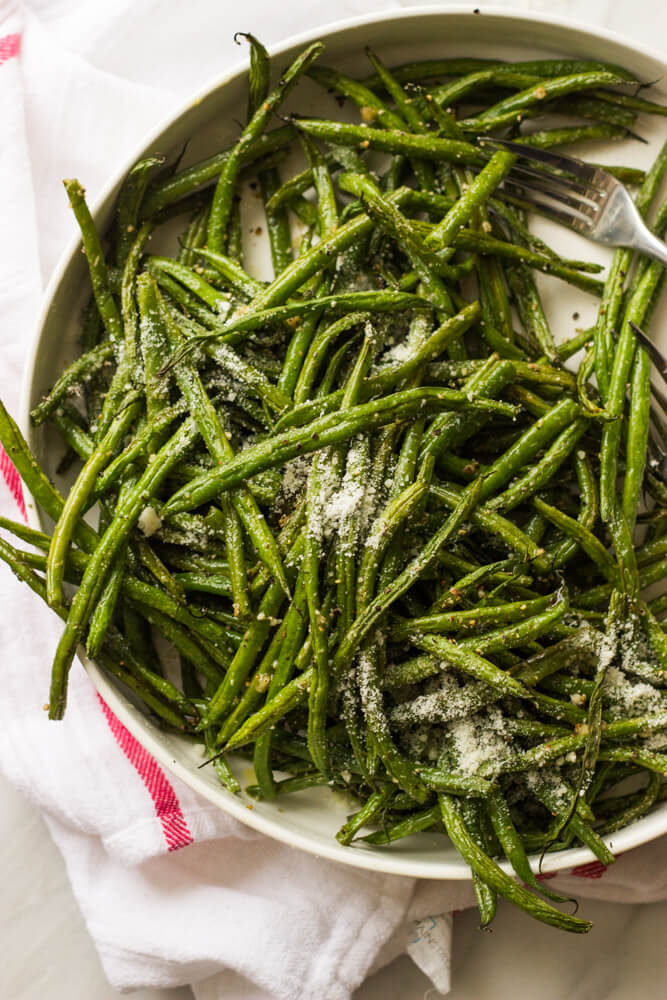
column 173, row 890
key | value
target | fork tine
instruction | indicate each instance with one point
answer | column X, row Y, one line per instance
column 561, row 195
column 567, row 164
column 656, row 356
column 544, row 208
column 660, row 399
column 567, row 183
column 657, row 460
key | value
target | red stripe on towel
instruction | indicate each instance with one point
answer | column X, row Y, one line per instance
column 594, row 869
column 176, row 832
column 7, row 468
column 10, row 46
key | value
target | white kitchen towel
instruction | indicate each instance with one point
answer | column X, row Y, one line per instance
column 173, row 891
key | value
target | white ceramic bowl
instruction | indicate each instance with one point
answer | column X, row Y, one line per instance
column 309, row 820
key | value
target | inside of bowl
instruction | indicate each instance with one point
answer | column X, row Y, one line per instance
column 310, row 819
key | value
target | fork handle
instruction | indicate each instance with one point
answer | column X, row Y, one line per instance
column 647, row 243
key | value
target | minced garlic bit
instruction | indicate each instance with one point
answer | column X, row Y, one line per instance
column 149, row 522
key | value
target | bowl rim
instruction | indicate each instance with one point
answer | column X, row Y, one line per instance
column 386, row 862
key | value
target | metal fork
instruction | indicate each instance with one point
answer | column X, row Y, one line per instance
column 583, row 197
column 657, row 442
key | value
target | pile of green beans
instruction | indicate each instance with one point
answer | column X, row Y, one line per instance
column 397, row 547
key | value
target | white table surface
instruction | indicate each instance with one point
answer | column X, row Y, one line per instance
column 46, row 951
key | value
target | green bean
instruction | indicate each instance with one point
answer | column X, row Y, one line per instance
column 259, row 73
column 620, row 372
column 129, row 205
column 291, row 695
column 83, row 368
column 41, row 489
column 318, row 434
column 327, row 207
column 242, row 663
column 294, row 655
column 637, row 434
column 516, row 539
column 231, row 270
column 124, row 521
column 451, row 430
column 10, row 556
column 638, row 808
column 427, row 68
column 166, row 712
column 377, row 607
column 518, row 635
column 644, row 758
column 385, row 378
column 355, row 91
column 512, row 108
column 531, row 311
column 140, row 445
column 481, row 243
column 317, row 350
column 375, row 804
column 407, row 111
column 194, row 237
column 542, row 754
column 128, row 304
column 579, row 826
column 493, row 572
column 524, row 237
column 655, row 636
column 399, row 767
column 543, row 471
column 236, row 328
column 591, row 545
column 452, row 621
column 391, row 141
column 389, row 218
column 513, row 848
column 289, row 785
column 630, row 101
column 192, row 648
column 222, row 768
column 599, row 111
column 264, row 673
column 561, row 553
column 224, row 190
column 476, row 194
column 102, row 616
column 238, row 576
column 455, row 784
column 612, row 296
column 495, row 877
column 152, row 562
column 381, row 535
column 153, row 348
column 76, row 438
column 277, row 223
column 216, row 301
column 528, row 445
column 216, row 441
column 184, row 182
column 99, row 276
column 416, row 823
column 319, row 687
column 481, row 669
column 566, row 136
